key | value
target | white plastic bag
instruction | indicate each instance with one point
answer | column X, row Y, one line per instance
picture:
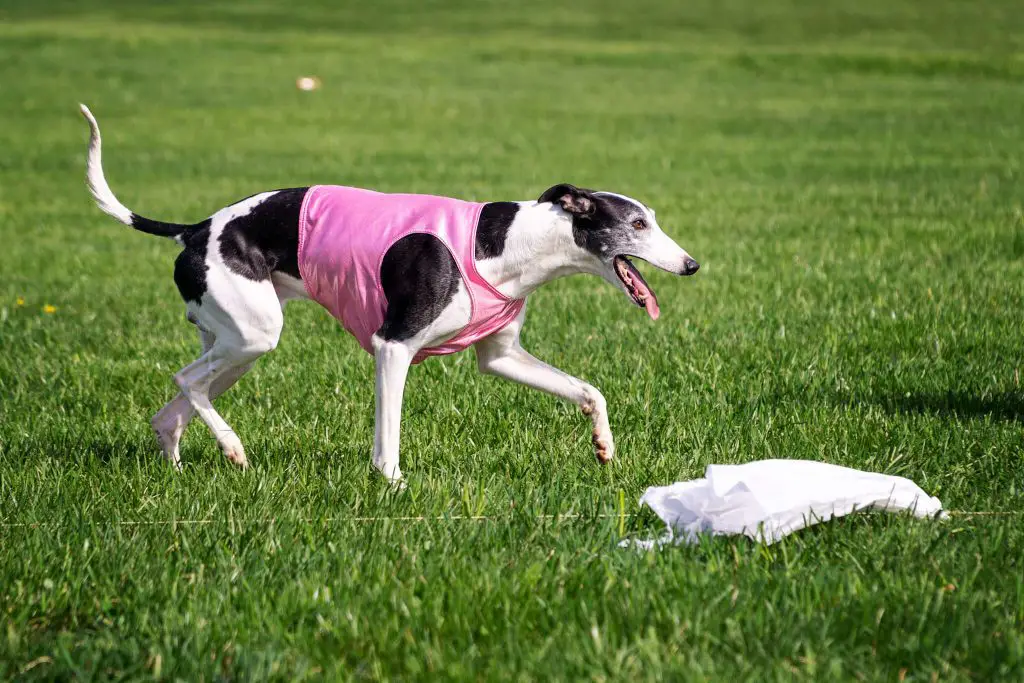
column 769, row 499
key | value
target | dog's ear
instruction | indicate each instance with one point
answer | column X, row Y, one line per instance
column 577, row 201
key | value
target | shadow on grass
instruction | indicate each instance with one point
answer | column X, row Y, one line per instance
column 125, row 451
column 1007, row 406
column 106, row 451
column 67, row 451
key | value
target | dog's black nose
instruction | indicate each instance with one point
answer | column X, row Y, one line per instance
column 690, row 267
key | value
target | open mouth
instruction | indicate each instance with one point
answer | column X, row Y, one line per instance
column 637, row 287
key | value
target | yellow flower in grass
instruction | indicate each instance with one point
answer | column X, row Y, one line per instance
column 20, row 301
column 49, row 309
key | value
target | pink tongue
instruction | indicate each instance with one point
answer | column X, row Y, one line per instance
column 651, row 304
column 651, row 301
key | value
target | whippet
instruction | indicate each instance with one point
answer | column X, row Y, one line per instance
column 408, row 275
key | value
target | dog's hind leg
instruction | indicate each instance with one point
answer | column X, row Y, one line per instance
column 169, row 424
column 244, row 319
column 197, row 381
column 170, row 421
column 226, row 275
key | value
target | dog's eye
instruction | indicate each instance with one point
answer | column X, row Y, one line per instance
column 639, row 224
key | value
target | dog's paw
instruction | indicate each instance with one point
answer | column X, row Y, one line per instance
column 604, row 447
column 236, row 454
column 169, row 451
column 167, row 437
column 392, row 472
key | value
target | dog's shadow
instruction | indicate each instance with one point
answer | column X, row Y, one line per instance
column 1007, row 406
column 127, row 450
column 107, row 451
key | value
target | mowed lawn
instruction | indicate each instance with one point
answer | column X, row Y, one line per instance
column 849, row 176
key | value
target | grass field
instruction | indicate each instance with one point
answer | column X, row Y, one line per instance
column 849, row 176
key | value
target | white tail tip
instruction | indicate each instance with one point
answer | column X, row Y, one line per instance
column 105, row 199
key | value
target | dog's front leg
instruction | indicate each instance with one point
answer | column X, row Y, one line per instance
column 393, row 360
column 502, row 355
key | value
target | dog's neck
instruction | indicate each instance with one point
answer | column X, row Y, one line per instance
column 539, row 248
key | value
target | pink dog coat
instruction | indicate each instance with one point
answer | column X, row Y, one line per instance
column 344, row 233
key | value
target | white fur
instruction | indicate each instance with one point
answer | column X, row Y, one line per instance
column 661, row 251
column 105, row 199
column 539, row 248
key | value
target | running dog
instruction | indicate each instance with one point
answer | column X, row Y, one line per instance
column 409, row 276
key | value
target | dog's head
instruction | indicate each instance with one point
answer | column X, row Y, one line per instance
column 610, row 228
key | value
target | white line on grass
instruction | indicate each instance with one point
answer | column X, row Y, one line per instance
column 439, row 518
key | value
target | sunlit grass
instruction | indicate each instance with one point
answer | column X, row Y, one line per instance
column 849, row 179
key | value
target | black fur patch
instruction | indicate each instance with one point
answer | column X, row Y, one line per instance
column 190, row 266
column 266, row 239
column 419, row 277
column 159, row 228
column 578, row 201
column 608, row 229
column 492, row 230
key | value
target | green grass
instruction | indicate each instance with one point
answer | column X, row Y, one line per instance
column 848, row 174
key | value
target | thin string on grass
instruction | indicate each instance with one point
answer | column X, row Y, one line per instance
column 985, row 513
column 416, row 518
column 311, row 520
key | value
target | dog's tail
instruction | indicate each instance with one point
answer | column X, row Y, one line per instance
column 106, row 200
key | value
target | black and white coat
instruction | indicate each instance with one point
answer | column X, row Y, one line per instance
column 239, row 267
